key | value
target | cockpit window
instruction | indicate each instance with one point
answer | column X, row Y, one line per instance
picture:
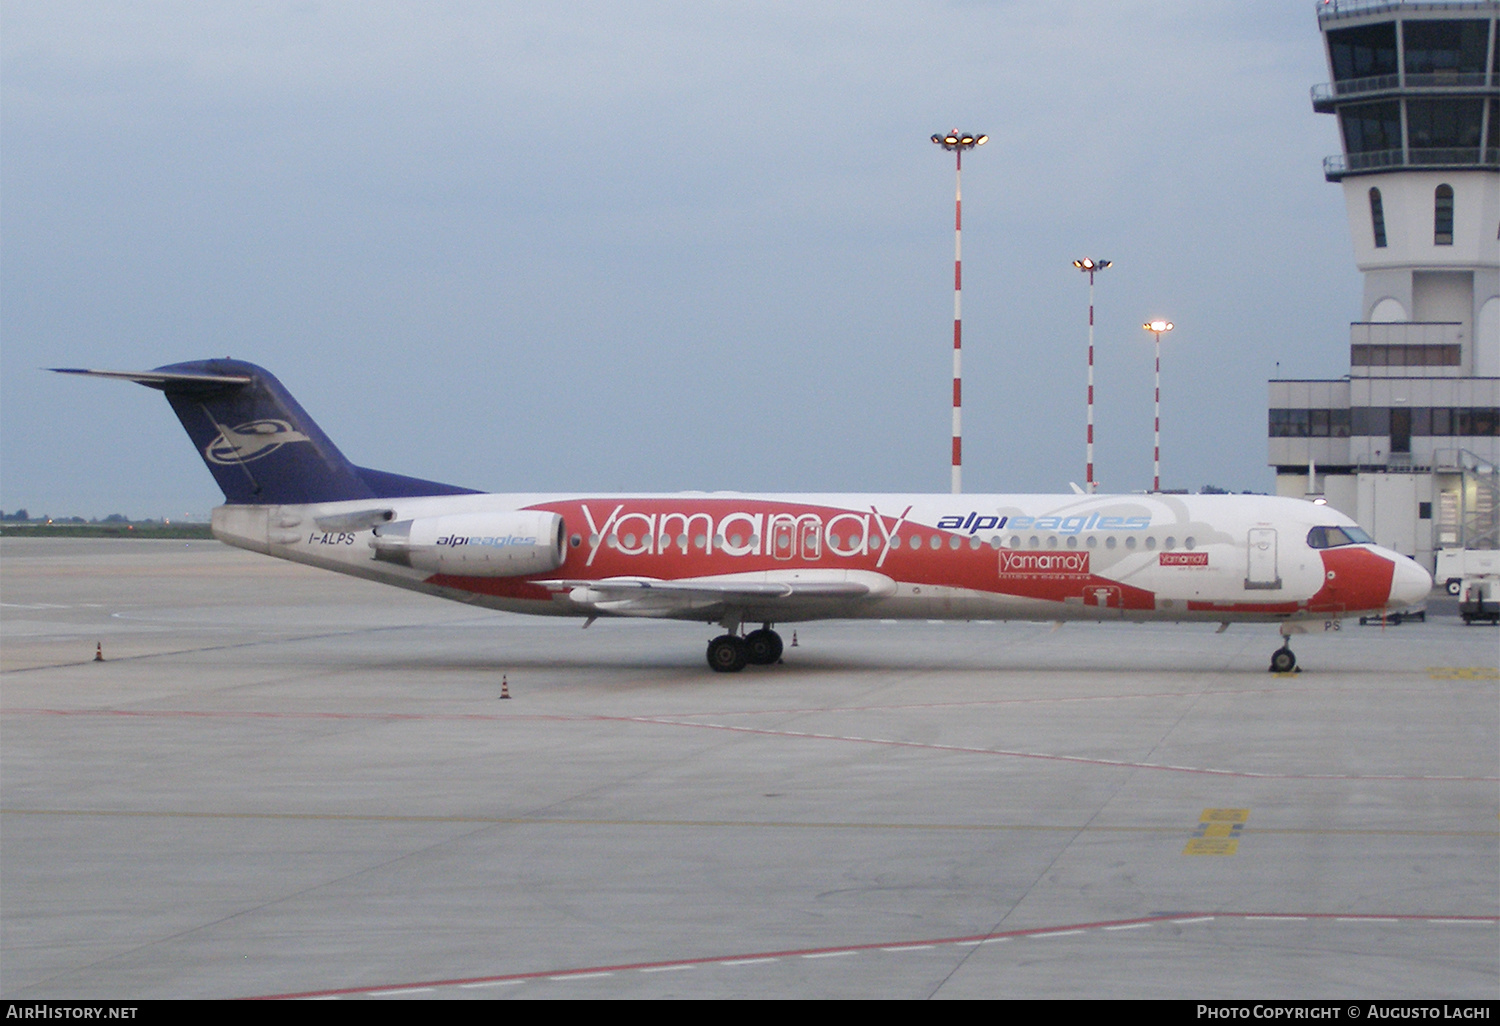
column 1331, row 537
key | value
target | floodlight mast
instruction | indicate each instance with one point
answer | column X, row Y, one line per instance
column 1091, row 266
column 1157, row 328
column 956, row 142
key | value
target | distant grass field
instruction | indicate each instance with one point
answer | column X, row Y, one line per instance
column 116, row 530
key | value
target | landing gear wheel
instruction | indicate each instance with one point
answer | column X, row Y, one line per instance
column 1454, row 587
column 763, row 647
column 1283, row 661
column 727, row 654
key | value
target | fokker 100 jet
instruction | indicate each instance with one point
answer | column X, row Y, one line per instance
column 738, row 559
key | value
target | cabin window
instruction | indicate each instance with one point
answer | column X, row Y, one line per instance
column 1130, row 541
column 1171, row 542
column 1109, row 542
column 1189, row 542
column 1072, row 541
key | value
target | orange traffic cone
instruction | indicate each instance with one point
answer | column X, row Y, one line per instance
column 794, row 639
column 98, row 651
column 504, row 687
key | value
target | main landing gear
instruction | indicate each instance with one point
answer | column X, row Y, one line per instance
column 731, row 654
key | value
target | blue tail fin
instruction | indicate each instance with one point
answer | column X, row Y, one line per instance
column 260, row 445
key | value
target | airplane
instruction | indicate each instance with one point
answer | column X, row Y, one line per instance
column 741, row 559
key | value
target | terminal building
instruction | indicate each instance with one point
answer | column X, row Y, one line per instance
column 1408, row 442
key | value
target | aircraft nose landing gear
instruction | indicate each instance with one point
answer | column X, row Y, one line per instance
column 1282, row 660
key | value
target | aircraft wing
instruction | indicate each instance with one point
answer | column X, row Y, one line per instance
column 644, row 596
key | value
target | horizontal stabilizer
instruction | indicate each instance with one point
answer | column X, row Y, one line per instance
column 161, row 379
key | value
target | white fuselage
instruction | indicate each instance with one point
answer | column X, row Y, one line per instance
column 732, row 557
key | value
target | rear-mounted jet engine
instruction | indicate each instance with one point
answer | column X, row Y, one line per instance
column 475, row 544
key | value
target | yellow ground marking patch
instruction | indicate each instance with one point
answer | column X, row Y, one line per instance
column 1224, row 815
column 1209, row 846
column 1463, row 673
column 1218, row 832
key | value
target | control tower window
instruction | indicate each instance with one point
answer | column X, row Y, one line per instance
column 1445, row 47
column 1372, row 127
column 1377, row 218
column 1365, row 52
column 1443, row 124
column 1442, row 216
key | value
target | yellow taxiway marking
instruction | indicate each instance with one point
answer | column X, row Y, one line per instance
column 1463, row 673
column 1073, row 828
column 1218, row 832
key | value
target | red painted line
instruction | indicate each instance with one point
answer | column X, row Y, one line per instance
column 1043, row 932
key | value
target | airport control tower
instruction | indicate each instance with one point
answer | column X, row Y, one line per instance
column 1408, row 443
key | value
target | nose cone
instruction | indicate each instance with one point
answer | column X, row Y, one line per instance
column 1410, row 584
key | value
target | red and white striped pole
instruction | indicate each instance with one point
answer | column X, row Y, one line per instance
column 1156, row 328
column 1092, row 266
column 958, row 142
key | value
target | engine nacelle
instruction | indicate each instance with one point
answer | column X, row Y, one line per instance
column 475, row 544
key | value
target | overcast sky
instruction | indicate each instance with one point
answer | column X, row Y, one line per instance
column 663, row 246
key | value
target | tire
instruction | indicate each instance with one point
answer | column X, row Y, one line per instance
column 1454, row 586
column 726, row 654
column 1283, row 661
column 763, row 647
